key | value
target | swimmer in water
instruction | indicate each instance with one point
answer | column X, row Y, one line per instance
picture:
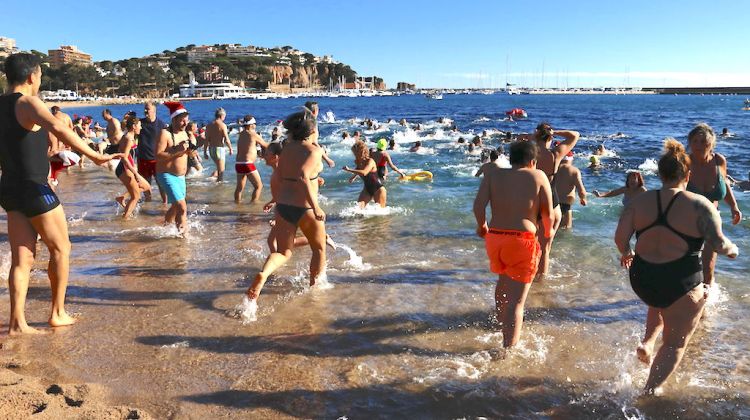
column 594, row 163
column 671, row 227
column 633, row 186
column 511, row 235
column 600, row 150
column 567, row 181
column 725, row 133
column 367, row 170
column 417, row 145
column 742, row 185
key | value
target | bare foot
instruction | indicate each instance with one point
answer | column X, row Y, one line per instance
column 330, row 242
column 254, row 290
column 61, row 320
column 121, row 201
column 644, row 352
column 25, row 329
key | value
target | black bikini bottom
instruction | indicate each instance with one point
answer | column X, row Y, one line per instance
column 661, row 285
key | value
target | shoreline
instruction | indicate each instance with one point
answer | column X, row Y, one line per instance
column 107, row 102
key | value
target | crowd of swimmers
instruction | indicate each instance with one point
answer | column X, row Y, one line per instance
column 677, row 228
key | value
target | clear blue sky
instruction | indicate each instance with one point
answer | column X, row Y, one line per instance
column 435, row 43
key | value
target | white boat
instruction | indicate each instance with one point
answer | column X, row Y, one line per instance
column 435, row 95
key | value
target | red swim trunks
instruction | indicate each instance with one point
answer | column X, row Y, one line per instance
column 147, row 168
column 513, row 253
column 245, row 168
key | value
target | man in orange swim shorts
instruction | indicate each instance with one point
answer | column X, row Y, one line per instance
column 518, row 197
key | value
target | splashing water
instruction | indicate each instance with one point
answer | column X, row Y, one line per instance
column 355, row 261
column 371, row 210
column 247, row 311
column 74, row 220
column 329, row 117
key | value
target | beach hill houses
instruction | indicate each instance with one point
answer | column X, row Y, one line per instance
column 7, row 46
column 199, row 53
column 69, row 54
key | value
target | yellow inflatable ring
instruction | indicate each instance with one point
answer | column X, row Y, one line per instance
column 419, row 176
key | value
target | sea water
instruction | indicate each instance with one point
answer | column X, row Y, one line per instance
column 407, row 331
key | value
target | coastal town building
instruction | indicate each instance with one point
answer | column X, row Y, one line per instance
column 237, row 50
column 203, row 52
column 403, row 86
column 7, row 46
column 69, row 54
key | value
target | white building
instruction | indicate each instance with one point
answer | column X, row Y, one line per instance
column 236, row 50
column 201, row 53
column 7, row 44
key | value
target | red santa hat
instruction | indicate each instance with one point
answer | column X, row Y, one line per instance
column 175, row 109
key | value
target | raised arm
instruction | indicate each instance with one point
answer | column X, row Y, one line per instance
column 571, row 138
column 34, row 112
column 480, row 207
column 709, row 225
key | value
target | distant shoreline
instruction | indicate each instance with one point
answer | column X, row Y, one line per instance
column 134, row 101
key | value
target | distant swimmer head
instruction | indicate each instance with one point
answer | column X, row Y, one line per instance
column 220, row 113
column 674, row 164
column 523, row 153
column 301, row 125
column 701, row 138
column 382, row 144
column 569, row 157
column 461, row 140
column 594, row 160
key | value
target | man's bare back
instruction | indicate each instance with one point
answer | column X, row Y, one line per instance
column 216, row 133
column 516, row 196
column 114, row 133
column 568, row 178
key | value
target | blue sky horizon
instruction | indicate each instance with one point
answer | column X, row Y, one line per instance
column 478, row 44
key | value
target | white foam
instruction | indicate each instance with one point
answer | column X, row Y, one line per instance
column 74, row 220
column 5, row 265
column 329, row 117
column 247, row 310
column 371, row 210
column 355, row 262
column 322, row 283
column 649, row 167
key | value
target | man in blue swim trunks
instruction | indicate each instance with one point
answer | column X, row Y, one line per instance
column 171, row 165
column 217, row 141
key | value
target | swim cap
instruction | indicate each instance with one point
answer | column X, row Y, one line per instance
column 594, row 159
column 382, row 144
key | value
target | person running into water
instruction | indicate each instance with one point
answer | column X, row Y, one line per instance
column 114, row 132
column 382, row 158
column 633, row 187
column 247, row 153
column 549, row 161
column 32, row 207
column 511, row 235
column 126, row 171
column 151, row 128
column 172, row 151
column 217, row 139
column 367, row 170
column 708, row 177
column 312, row 106
column 671, row 225
column 568, row 180
column 297, row 200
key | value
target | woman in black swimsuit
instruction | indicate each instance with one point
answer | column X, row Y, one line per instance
column 368, row 171
column 296, row 200
column 670, row 225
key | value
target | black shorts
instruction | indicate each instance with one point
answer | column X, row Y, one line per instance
column 29, row 198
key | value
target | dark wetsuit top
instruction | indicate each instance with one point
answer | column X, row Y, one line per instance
column 719, row 191
column 661, row 285
column 24, row 162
